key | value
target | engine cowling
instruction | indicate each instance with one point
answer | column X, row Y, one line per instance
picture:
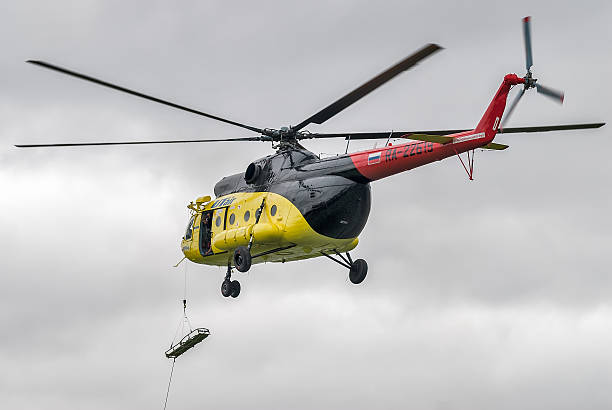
column 252, row 173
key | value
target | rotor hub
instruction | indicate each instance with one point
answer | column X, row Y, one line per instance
column 530, row 82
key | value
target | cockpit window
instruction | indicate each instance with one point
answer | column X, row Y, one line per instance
column 297, row 157
column 275, row 163
column 189, row 231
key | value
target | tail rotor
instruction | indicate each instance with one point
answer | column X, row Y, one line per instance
column 554, row 94
column 530, row 82
column 527, row 38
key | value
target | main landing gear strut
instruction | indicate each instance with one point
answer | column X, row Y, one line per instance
column 358, row 269
column 242, row 262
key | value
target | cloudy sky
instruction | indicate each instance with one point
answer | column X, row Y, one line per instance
column 494, row 293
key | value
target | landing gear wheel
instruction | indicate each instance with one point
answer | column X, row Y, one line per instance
column 226, row 288
column 242, row 259
column 358, row 272
column 235, row 288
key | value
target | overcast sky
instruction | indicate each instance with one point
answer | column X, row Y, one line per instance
column 494, row 293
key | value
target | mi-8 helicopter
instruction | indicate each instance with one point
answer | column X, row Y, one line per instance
column 294, row 205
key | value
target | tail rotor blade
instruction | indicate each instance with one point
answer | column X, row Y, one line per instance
column 554, row 94
column 512, row 107
column 527, row 37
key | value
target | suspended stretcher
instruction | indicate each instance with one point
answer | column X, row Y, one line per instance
column 190, row 340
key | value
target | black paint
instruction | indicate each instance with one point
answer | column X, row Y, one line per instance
column 330, row 193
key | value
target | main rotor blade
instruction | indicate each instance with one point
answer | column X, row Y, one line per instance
column 512, row 107
column 352, row 136
column 554, row 94
column 138, row 94
column 527, row 38
column 406, row 134
column 83, row 144
column 383, row 134
column 545, row 128
column 334, row 108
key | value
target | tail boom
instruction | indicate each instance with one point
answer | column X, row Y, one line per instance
column 379, row 163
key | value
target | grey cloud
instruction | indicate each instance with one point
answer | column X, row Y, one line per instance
column 492, row 293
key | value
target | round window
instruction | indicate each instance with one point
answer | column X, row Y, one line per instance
column 232, row 219
column 273, row 210
column 218, row 221
column 247, row 215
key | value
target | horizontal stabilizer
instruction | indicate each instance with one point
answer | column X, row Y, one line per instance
column 440, row 139
column 495, row 146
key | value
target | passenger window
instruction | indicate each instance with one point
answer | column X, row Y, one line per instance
column 273, row 210
column 232, row 219
column 221, row 220
column 247, row 215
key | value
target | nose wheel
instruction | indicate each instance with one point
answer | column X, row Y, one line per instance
column 230, row 287
column 242, row 262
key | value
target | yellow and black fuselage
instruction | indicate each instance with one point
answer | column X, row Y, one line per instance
column 282, row 231
column 309, row 207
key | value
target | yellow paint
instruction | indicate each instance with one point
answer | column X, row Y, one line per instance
column 287, row 227
column 202, row 200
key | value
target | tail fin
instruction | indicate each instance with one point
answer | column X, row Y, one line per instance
column 490, row 121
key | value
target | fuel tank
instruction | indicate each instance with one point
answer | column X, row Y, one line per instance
column 333, row 206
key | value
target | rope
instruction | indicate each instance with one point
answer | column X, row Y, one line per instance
column 185, row 318
column 182, row 324
column 189, row 323
column 169, row 381
column 185, row 284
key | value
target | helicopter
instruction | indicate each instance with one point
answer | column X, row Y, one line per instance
column 293, row 204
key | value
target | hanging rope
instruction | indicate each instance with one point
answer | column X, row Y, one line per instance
column 169, row 381
column 185, row 318
column 185, row 283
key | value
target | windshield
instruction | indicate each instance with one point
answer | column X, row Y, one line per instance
column 189, row 231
